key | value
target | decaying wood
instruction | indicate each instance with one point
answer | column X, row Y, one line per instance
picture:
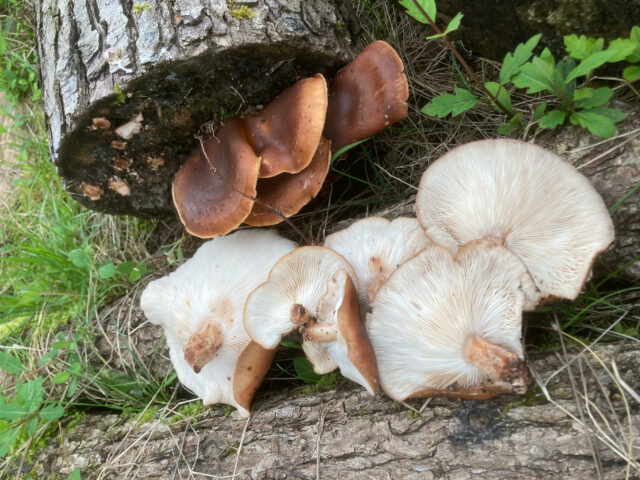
column 344, row 433
column 127, row 85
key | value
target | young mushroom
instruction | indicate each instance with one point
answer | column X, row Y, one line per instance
column 286, row 133
column 540, row 206
column 366, row 96
column 375, row 246
column 200, row 307
column 214, row 189
column 445, row 325
column 314, row 290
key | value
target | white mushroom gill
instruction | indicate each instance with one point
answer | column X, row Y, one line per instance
column 207, row 294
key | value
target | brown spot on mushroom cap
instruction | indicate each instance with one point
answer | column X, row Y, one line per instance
column 286, row 133
column 251, row 367
column 209, row 202
column 366, row 96
column 290, row 192
column 202, row 346
column 94, row 192
column 120, row 186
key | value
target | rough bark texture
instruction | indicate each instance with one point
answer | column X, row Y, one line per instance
column 357, row 436
column 492, row 28
column 178, row 63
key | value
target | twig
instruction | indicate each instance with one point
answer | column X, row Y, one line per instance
column 244, row 431
column 214, row 170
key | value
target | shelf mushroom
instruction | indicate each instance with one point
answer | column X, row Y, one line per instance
column 213, row 190
column 540, row 206
column 445, row 325
column 314, row 290
column 366, row 96
column 375, row 246
column 200, row 307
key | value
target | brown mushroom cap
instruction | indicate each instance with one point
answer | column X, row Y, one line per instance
column 539, row 205
column 366, row 96
column 290, row 192
column 209, row 202
column 286, row 133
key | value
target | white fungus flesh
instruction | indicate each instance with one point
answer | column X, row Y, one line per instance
column 434, row 306
column 546, row 212
column 375, row 246
column 207, row 295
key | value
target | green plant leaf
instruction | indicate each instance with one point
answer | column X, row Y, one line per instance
column 513, row 61
column 501, row 94
column 552, row 119
column 631, row 73
column 32, row 425
column 304, row 370
column 30, row 394
column 547, row 56
column 12, row 411
column 580, row 47
column 597, row 124
column 537, row 76
column 451, row 27
column 75, row 475
column 107, row 270
column 539, row 112
column 590, row 98
column 507, row 128
column 125, row 268
column 590, row 63
column 61, row 378
column 80, row 258
column 10, row 364
column 429, row 7
column 611, row 113
column 621, row 48
column 8, row 438
column 51, row 412
column 446, row 104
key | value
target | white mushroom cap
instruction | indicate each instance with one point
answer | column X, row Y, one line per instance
column 548, row 214
column 208, row 292
column 299, row 278
column 375, row 246
column 431, row 309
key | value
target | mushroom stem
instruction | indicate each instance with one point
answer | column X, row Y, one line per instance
column 319, row 332
column 300, row 315
column 500, row 364
column 202, row 347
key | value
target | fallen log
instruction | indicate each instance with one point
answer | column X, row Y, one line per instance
column 588, row 430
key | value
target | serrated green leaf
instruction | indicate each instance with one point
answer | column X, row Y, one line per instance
column 580, row 47
column 539, row 112
column 552, row 119
column 51, row 412
column 501, row 94
column 107, row 270
column 446, row 104
column 7, row 440
column 507, row 128
column 536, row 76
column 304, row 370
column 80, row 258
column 565, row 66
column 61, row 378
column 590, row 98
column 513, row 61
column 12, row 411
column 590, row 63
column 30, row 394
column 547, row 56
column 32, row 425
column 429, row 7
column 597, row 124
column 631, row 73
column 620, row 48
column 611, row 113
column 10, row 364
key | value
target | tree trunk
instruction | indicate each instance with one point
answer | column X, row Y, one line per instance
column 590, row 432
column 161, row 70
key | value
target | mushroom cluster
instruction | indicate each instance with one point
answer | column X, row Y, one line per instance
column 262, row 168
column 426, row 306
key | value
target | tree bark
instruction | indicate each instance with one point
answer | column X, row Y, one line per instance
column 345, row 433
column 164, row 69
